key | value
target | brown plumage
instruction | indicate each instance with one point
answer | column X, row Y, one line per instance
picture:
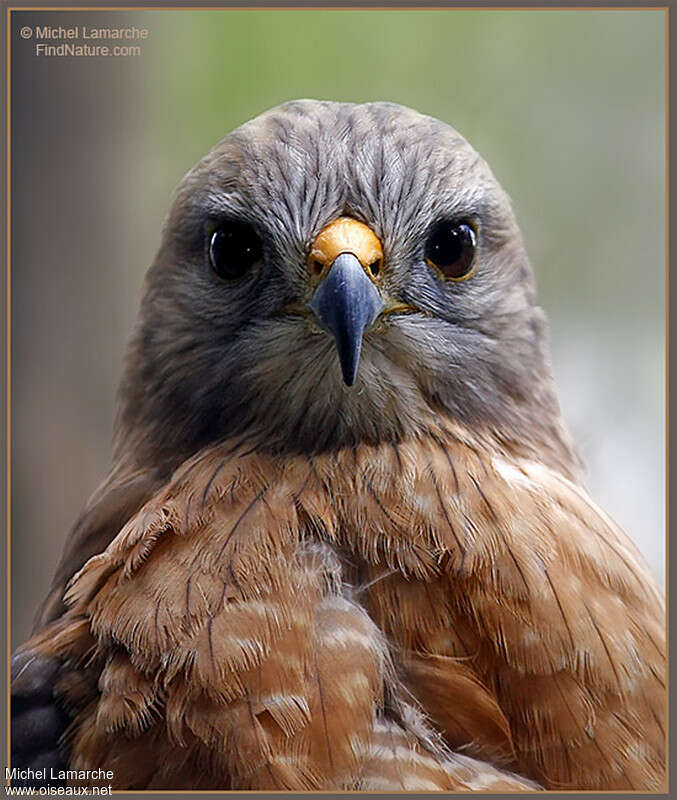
column 425, row 601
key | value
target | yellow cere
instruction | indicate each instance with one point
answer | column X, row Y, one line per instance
column 346, row 235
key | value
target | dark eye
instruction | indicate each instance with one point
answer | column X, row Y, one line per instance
column 451, row 249
column 234, row 248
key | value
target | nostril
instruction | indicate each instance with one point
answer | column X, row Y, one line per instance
column 317, row 267
column 375, row 267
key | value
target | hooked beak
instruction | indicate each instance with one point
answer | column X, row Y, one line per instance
column 345, row 261
column 346, row 303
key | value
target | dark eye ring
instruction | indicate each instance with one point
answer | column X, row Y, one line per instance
column 234, row 249
column 450, row 249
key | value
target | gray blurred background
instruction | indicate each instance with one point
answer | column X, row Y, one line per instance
column 567, row 107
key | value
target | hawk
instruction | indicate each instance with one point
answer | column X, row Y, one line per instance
column 344, row 543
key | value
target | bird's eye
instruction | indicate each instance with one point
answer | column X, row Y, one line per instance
column 234, row 248
column 451, row 249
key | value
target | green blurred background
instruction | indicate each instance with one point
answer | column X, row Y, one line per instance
column 568, row 107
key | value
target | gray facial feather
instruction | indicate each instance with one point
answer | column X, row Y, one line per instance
column 211, row 359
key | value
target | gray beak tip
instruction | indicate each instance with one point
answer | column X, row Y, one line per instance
column 346, row 303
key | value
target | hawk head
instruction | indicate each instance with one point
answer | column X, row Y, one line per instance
column 332, row 274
